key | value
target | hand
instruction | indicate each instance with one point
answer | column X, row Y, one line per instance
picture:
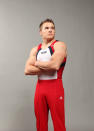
column 36, row 63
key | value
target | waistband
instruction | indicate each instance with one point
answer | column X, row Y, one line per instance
column 48, row 81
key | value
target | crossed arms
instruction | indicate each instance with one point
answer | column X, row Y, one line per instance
column 34, row 67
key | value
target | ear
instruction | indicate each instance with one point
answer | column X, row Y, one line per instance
column 40, row 32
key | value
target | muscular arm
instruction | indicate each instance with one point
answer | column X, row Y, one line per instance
column 30, row 68
column 56, row 59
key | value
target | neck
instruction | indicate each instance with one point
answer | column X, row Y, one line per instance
column 46, row 42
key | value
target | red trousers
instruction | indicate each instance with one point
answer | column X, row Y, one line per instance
column 49, row 95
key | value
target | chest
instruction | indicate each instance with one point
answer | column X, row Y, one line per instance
column 44, row 54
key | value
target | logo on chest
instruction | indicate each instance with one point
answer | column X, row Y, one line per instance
column 43, row 52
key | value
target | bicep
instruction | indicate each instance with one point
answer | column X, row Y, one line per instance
column 32, row 56
column 31, row 60
column 59, row 53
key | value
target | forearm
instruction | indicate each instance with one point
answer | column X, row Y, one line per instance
column 47, row 65
column 33, row 70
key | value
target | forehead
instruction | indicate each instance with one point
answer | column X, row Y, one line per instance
column 48, row 24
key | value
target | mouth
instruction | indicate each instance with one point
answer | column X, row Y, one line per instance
column 50, row 34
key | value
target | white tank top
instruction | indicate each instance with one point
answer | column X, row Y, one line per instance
column 45, row 55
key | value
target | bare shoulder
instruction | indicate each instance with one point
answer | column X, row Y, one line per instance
column 33, row 51
column 61, row 48
column 60, row 45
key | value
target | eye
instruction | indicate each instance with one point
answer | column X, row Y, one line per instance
column 52, row 28
column 46, row 27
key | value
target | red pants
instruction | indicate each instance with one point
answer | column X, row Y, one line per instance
column 49, row 94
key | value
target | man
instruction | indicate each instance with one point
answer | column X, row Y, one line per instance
column 47, row 61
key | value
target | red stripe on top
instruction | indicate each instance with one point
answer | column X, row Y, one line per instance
column 53, row 45
column 39, row 46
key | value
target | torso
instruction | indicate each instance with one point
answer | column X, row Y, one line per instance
column 45, row 55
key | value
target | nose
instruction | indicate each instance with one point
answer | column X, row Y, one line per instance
column 50, row 30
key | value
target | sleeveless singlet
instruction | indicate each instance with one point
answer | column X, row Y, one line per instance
column 45, row 55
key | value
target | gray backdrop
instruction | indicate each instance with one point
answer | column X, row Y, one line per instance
column 19, row 32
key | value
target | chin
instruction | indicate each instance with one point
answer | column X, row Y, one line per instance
column 50, row 38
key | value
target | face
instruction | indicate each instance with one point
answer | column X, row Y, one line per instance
column 47, row 31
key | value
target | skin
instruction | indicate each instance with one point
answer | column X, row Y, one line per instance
column 33, row 67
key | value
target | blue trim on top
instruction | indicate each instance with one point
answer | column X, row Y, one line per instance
column 50, row 50
column 63, row 64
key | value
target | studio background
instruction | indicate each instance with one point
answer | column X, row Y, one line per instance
column 19, row 32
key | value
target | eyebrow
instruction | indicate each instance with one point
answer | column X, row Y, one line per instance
column 48, row 27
